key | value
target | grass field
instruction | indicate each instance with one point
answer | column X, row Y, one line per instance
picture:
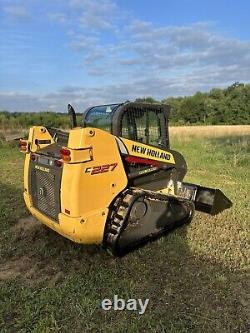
column 195, row 277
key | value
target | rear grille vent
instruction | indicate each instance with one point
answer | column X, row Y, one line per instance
column 45, row 192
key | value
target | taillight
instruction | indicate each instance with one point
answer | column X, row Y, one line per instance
column 23, row 146
column 65, row 154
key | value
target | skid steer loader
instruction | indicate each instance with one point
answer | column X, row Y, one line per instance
column 113, row 181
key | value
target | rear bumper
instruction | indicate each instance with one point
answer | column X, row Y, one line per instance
column 87, row 229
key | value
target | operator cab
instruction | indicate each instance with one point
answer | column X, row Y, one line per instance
column 141, row 122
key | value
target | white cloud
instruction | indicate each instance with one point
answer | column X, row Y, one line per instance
column 58, row 17
column 142, row 47
column 83, row 42
column 180, row 47
column 157, row 86
column 96, row 15
column 129, row 58
column 17, row 12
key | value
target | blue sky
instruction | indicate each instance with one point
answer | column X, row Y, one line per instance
column 86, row 52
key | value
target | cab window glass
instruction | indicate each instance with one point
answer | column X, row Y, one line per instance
column 100, row 117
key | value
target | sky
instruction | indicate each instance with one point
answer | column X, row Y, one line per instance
column 85, row 52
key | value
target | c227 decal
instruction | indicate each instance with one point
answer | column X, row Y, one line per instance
column 101, row 168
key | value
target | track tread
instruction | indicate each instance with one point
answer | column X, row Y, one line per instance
column 120, row 210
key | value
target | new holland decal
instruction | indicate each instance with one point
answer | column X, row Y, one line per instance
column 41, row 168
column 145, row 151
column 150, row 152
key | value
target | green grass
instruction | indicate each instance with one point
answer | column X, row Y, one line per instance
column 195, row 277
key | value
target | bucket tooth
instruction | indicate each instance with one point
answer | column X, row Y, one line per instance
column 211, row 201
column 221, row 202
column 208, row 200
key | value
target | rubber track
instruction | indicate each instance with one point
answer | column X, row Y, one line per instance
column 120, row 211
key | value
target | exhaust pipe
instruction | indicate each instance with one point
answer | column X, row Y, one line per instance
column 72, row 115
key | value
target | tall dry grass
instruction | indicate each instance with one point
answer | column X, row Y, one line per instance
column 178, row 132
column 213, row 131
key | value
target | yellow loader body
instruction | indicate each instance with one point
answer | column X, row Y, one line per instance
column 114, row 181
column 89, row 183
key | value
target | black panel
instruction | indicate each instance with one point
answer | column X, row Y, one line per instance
column 44, row 188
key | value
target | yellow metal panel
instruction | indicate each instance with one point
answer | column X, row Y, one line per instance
column 26, row 172
column 88, row 186
column 77, row 138
column 146, row 151
column 88, row 229
column 81, row 155
column 38, row 133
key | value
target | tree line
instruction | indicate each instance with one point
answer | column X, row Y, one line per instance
column 17, row 120
column 218, row 106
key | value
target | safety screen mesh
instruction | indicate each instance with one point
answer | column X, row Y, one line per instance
column 143, row 126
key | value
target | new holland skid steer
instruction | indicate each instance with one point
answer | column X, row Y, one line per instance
column 113, row 181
